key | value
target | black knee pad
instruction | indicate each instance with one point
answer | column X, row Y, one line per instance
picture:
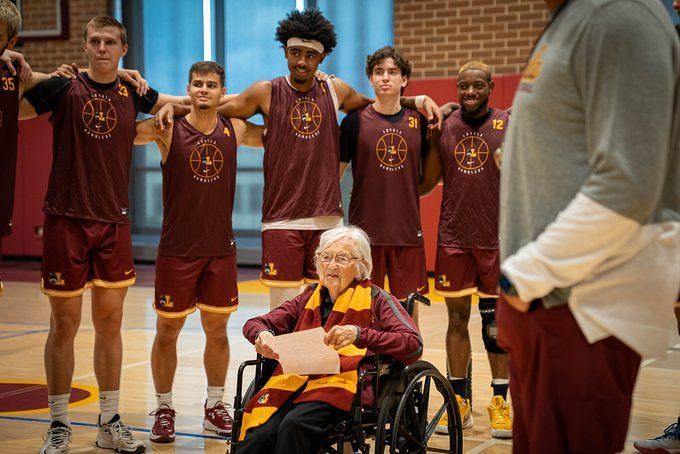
column 487, row 309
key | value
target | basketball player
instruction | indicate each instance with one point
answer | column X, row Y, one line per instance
column 386, row 144
column 196, row 263
column 467, row 248
column 301, row 187
column 86, row 239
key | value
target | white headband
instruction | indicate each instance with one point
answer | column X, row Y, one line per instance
column 309, row 43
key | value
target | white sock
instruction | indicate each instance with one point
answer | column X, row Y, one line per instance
column 215, row 394
column 108, row 405
column 164, row 399
column 500, row 381
column 58, row 404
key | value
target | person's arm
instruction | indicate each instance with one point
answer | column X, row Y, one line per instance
column 349, row 129
column 393, row 331
column 279, row 321
column 247, row 133
column 44, row 97
column 9, row 58
column 432, row 167
column 254, row 99
column 147, row 132
column 164, row 99
column 625, row 182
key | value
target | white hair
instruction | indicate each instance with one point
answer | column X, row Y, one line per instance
column 360, row 246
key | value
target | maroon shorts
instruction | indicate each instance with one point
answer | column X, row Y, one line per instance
column 80, row 253
column 404, row 267
column 567, row 395
column 466, row 271
column 185, row 283
column 288, row 257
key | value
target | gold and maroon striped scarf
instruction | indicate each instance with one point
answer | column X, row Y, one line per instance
column 353, row 307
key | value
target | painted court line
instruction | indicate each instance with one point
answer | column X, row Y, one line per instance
column 92, row 425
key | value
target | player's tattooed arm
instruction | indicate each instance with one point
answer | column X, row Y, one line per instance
column 432, row 168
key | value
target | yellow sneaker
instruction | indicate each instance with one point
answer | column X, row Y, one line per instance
column 499, row 414
column 465, row 415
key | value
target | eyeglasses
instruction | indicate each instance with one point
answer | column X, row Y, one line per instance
column 340, row 259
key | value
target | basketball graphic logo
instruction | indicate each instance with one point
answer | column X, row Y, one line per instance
column 391, row 150
column 206, row 161
column 471, row 153
column 99, row 117
column 305, row 117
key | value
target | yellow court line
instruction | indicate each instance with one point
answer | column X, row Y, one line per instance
column 92, row 389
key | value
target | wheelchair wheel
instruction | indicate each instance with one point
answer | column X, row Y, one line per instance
column 420, row 395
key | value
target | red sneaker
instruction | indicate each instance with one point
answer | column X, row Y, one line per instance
column 163, row 430
column 218, row 419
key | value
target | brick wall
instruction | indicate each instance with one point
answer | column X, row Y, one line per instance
column 46, row 55
column 438, row 36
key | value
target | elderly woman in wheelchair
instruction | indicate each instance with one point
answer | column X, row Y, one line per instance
column 296, row 414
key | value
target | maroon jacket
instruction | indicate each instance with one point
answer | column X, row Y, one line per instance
column 392, row 330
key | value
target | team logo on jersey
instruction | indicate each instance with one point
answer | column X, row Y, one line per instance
column 99, row 116
column 443, row 281
column 263, row 399
column 305, row 117
column 206, row 161
column 471, row 152
column 55, row 278
column 533, row 70
column 270, row 269
column 391, row 150
column 166, row 301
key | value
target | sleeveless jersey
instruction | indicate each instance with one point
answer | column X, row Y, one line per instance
column 199, row 181
column 301, row 154
column 386, row 165
column 469, row 210
column 93, row 133
column 9, row 132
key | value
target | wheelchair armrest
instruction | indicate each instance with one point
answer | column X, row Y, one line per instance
column 411, row 301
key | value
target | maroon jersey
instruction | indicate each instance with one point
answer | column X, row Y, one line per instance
column 93, row 131
column 386, row 152
column 301, row 154
column 199, row 179
column 469, row 211
column 9, row 132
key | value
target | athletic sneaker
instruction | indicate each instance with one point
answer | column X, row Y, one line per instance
column 115, row 435
column 499, row 414
column 668, row 442
column 57, row 439
column 163, row 430
column 465, row 409
column 218, row 419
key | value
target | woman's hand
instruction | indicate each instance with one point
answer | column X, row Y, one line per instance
column 341, row 336
column 262, row 347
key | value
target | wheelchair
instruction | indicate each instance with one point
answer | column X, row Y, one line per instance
column 408, row 404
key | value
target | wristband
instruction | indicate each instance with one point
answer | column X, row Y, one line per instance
column 420, row 101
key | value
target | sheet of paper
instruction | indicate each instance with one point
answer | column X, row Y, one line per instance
column 304, row 353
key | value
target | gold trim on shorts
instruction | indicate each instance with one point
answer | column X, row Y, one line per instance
column 182, row 314
column 456, row 293
column 217, row 310
column 282, row 284
column 64, row 293
column 118, row 284
column 309, row 281
column 486, row 295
